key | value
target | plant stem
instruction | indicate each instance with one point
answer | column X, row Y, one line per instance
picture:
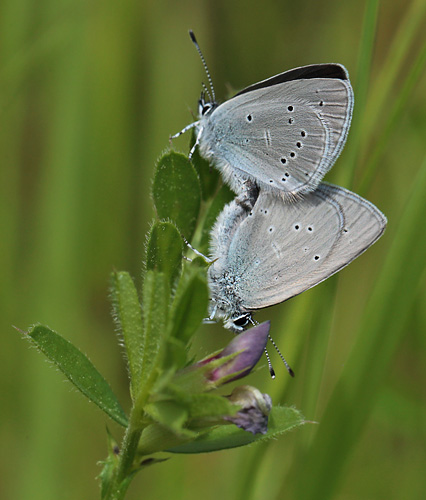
column 124, row 472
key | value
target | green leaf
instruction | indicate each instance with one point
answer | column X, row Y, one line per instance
column 79, row 370
column 156, row 296
column 190, row 304
column 281, row 419
column 208, row 406
column 176, row 355
column 209, row 176
column 181, row 417
column 128, row 316
column 224, row 196
column 199, row 406
column 157, row 437
column 176, row 192
column 164, row 252
column 169, row 413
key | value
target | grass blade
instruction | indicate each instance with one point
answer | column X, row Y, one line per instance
column 380, row 331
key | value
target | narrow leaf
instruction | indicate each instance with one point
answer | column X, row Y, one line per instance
column 281, row 419
column 128, row 315
column 156, row 296
column 79, row 370
column 176, row 192
column 346, row 175
column 176, row 354
column 393, row 69
column 190, row 304
column 164, row 252
column 397, row 110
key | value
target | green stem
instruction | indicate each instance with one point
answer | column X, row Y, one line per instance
column 128, row 451
column 125, row 468
column 124, row 472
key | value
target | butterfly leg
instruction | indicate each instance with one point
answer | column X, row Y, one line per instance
column 197, row 141
column 185, row 129
column 211, row 318
column 208, row 260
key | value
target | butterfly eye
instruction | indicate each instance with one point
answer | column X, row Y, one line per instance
column 205, row 109
column 200, row 106
column 241, row 321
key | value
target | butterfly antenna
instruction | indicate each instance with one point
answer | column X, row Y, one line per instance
column 194, row 40
column 290, row 371
column 252, row 321
column 207, row 91
column 271, row 369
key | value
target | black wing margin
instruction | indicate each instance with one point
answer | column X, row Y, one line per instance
column 330, row 70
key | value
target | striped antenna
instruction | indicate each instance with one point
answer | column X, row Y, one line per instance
column 194, row 40
column 271, row 369
column 290, row 371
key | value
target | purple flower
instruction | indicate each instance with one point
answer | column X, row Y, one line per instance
column 255, row 408
column 247, row 348
column 246, row 407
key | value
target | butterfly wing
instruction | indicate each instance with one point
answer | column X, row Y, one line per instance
column 284, row 136
column 281, row 250
column 328, row 70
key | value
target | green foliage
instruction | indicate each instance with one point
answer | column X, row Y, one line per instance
column 209, row 177
column 164, row 252
column 170, row 403
column 155, row 300
column 79, row 370
column 127, row 313
column 361, row 89
column 190, row 303
column 78, row 148
column 108, row 465
column 281, row 419
column 381, row 329
column 176, row 192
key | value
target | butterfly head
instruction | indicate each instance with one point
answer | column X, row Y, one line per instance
column 205, row 105
column 239, row 323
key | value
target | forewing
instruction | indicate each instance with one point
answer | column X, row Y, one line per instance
column 287, row 135
column 327, row 70
column 282, row 249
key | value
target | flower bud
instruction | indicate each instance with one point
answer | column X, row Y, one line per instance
column 255, row 408
column 249, row 345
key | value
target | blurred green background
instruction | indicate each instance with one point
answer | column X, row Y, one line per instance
column 89, row 94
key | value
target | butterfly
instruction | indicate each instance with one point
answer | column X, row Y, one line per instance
column 283, row 134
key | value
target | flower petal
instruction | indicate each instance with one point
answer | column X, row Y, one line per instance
column 253, row 416
column 250, row 345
